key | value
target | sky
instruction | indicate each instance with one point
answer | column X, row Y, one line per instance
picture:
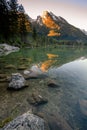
column 74, row 11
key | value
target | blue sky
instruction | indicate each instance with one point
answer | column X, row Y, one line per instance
column 74, row 11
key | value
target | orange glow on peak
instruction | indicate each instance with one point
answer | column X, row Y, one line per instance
column 48, row 21
column 53, row 33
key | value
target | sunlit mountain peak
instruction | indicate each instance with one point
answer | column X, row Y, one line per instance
column 45, row 13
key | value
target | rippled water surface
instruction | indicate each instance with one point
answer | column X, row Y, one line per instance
column 68, row 68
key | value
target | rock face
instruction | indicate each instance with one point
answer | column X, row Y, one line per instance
column 6, row 49
column 26, row 121
column 17, row 81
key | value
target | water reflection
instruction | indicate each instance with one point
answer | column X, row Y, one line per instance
column 50, row 56
column 46, row 65
column 71, row 103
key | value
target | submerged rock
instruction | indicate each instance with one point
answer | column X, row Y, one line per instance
column 10, row 66
column 83, row 106
column 37, row 100
column 57, row 122
column 22, row 67
column 52, row 83
column 3, row 78
column 6, row 49
column 26, row 121
column 17, row 82
column 54, row 121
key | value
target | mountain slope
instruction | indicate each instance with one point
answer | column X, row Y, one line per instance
column 52, row 26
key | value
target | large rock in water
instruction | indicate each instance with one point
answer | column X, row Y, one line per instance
column 26, row 121
column 6, row 49
column 17, row 81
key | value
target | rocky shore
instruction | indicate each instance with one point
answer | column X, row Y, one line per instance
column 5, row 49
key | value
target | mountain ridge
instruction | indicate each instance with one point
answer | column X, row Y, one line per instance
column 57, row 27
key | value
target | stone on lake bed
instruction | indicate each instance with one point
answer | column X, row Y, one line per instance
column 22, row 67
column 52, row 83
column 3, row 76
column 37, row 100
column 83, row 106
column 3, row 80
column 17, row 82
column 10, row 66
column 26, row 121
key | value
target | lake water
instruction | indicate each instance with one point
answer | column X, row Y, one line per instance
column 68, row 68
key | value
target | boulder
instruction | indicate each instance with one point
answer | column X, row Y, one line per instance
column 26, row 121
column 6, row 49
column 29, row 74
column 17, row 82
column 37, row 100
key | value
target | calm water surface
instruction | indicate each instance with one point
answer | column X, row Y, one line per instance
column 69, row 71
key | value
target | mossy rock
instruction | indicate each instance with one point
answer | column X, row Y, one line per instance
column 5, row 121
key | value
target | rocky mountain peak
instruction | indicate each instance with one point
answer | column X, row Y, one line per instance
column 48, row 24
column 45, row 13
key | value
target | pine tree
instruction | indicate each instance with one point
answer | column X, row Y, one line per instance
column 34, row 34
column 22, row 29
column 13, row 5
column 4, row 19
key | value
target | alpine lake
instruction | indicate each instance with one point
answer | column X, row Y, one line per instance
column 65, row 65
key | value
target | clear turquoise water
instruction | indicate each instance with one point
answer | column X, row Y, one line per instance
column 69, row 71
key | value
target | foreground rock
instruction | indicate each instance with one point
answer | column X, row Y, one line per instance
column 37, row 100
column 17, row 82
column 26, row 121
column 6, row 49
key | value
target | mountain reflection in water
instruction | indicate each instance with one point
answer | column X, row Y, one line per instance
column 70, row 99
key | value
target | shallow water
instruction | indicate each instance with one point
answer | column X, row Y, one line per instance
column 69, row 70
column 70, row 100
